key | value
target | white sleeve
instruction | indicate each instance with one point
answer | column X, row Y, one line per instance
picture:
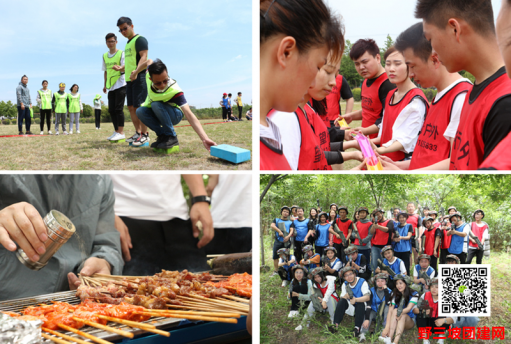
column 402, row 268
column 457, row 106
column 414, row 299
column 330, row 289
column 104, row 65
column 380, row 126
column 485, row 235
column 415, row 274
column 343, row 290
column 337, row 266
column 394, row 301
column 408, row 125
column 38, row 99
column 365, row 288
column 290, row 134
column 122, row 59
column 432, row 274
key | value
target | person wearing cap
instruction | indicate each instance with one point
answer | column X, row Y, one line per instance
column 223, row 104
column 282, row 240
column 357, row 305
column 423, row 266
column 452, row 210
column 97, row 102
column 380, row 293
column 402, row 244
column 60, row 105
column 480, row 229
column 326, row 287
column 396, row 264
column 333, row 264
column 431, row 318
column 459, row 237
column 300, row 290
column 334, row 207
column 445, row 240
column 364, row 225
column 452, row 259
column 345, row 225
column 286, row 262
column 294, row 214
column 357, row 261
column 313, row 221
column 310, row 259
column 433, row 235
column 301, row 226
column 322, row 230
column 414, row 220
column 382, row 232
column 396, row 326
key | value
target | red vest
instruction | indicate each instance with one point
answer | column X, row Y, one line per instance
column 499, row 158
column 414, row 221
column 272, row 159
column 332, row 102
column 478, row 231
column 380, row 237
column 323, row 291
column 468, row 148
column 432, row 304
column 343, row 227
column 429, row 246
column 392, row 112
column 311, row 156
column 446, row 240
column 432, row 146
column 363, row 231
column 319, row 128
column 371, row 104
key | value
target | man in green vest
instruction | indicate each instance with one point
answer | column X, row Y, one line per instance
column 165, row 106
column 115, row 83
column 135, row 55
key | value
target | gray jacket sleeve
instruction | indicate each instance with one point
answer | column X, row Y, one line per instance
column 18, row 95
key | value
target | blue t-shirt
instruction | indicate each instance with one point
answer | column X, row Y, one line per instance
column 226, row 102
column 287, row 223
column 322, row 239
column 301, row 227
column 457, row 241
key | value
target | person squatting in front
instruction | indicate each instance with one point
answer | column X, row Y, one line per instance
column 286, row 262
column 300, row 290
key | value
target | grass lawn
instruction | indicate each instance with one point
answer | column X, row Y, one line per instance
column 90, row 150
column 276, row 327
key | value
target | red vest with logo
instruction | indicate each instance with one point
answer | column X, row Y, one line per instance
column 319, row 127
column 343, row 227
column 380, row 237
column 432, row 146
column 478, row 231
column 332, row 102
column 272, row 159
column 499, row 158
column 311, row 156
column 446, row 240
column 323, row 291
column 414, row 221
column 468, row 148
column 432, row 304
column 363, row 231
column 371, row 104
column 392, row 112
column 429, row 246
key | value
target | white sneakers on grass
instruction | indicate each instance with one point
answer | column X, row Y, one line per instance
column 49, row 132
column 293, row 314
column 42, row 133
column 285, row 283
column 110, row 137
column 385, row 340
column 71, row 132
column 78, row 131
column 117, row 137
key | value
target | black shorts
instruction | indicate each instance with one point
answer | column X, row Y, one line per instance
column 136, row 91
column 412, row 240
column 277, row 245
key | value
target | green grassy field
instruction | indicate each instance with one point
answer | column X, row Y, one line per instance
column 276, row 327
column 90, row 150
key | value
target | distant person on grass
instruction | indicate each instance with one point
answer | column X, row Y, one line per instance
column 165, row 106
column 240, row 106
column 75, row 108
column 249, row 114
column 223, row 104
column 24, row 105
column 44, row 96
column 97, row 110
column 229, row 107
column 60, row 103
column 115, row 83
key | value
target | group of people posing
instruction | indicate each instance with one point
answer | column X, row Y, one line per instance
column 385, row 269
column 465, row 127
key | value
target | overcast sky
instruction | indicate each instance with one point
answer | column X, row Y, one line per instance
column 205, row 44
column 376, row 18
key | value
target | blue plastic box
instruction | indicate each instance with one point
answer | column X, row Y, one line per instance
column 230, row 153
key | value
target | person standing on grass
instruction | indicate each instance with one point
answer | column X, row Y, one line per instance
column 115, row 83
column 345, row 225
column 75, row 108
column 480, row 229
column 60, row 102
column 240, row 106
column 223, row 104
column 229, row 108
column 44, row 96
column 24, row 105
column 414, row 220
column 301, row 225
column 281, row 240
column 97, row 110
column 165, row 106
column 135, row 68
column 459, row 235
column 402, row 245
column 381, row 232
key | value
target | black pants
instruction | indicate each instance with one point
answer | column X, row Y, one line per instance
column 340, row 251
column 300, row 289
column 430, row 322
column 230, row 240
column 298, row 251
column 116, row 106
column 168, row 245
column 433, row 264
column 240, row 111
column 284, row 274
column 224, row 113
column 45, row 113
column 462, row 256
column 405, row 257
column 97, row 115
column 320, row 249
column 443, row 253
column 341, row 308
column 477, row 253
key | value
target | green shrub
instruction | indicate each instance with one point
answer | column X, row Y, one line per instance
column 430, row 93
column 357, row 94
column 14, row 121
column 6, row 121
column 37, row 120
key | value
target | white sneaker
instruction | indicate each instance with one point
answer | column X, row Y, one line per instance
column 425, row 341
column 385, row 340
column 70, row 132
column 293, row 314
column 97, row 128
column 299, row 328
column 117, row 137
column 49, row 132
column 285, row 283
column 274, row 272
column 440, row 341
column 362, row 338
column 78, row 131
column 42, row 133
column 65, row 133
column 56, row 133
column 110, row 137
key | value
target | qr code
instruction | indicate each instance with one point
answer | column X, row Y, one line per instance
column 464, row 290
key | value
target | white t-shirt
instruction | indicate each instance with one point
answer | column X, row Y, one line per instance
column 156, row 197
column 290, row 135
column 457, row 106
column 121, row 81
column 231, row 201
column 402, row 267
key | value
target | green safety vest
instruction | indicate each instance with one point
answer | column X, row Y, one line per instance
column 60, row 102
column 31, row 113
column 45, row 99
column 74, row 102
column 153, row 96
column 130, row 57
column 111, row 75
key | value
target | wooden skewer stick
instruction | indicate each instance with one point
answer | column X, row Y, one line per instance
column 213, row 307
column 145, row 327
column 234, row 305
column 239, row 299
column 65, row 336
column 105, row 327
column 55, row 339
column 213, row 314
column 83, row 334
column 191, row 317
column 199, row 308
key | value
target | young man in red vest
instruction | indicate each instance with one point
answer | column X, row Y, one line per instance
column 345, row 225
column 413, row 219
column 366, row 56
column 433, row 147
column 480, row 229
column 363, row 225
column 431, row 245
column 462, row 32
column 445, row 240
column 381, row 232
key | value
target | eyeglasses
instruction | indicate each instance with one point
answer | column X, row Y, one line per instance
column 122, row 30
column 161, row 82
column 110, row 42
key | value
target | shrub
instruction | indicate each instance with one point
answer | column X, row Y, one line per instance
column 430, row 94
column 37, row 120
column 14, row 121
column 6, row 121
column 357, row 94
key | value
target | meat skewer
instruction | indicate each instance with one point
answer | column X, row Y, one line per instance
column 145, row 327
column 83, row 334
column 213, row 314
column 54, row 339
column 192, row 317
column 105, row 328
column 65, row 336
